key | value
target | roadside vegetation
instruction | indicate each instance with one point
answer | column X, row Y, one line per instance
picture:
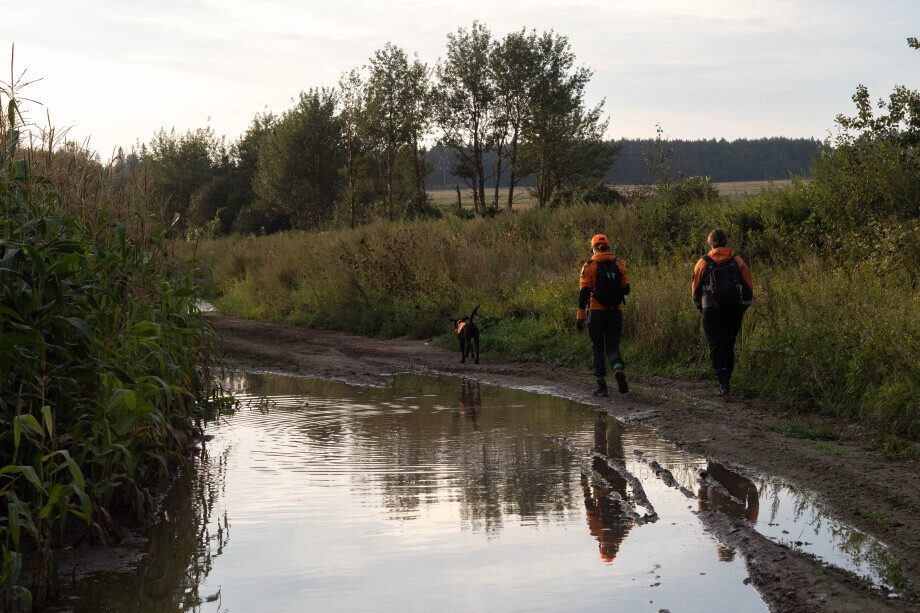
column 834, row 328
column 104, row 356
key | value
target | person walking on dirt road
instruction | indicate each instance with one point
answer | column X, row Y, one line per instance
column 603, row 285
column 722, row 292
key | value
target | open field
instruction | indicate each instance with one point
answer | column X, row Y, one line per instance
column 741, row 188
column 443, row 198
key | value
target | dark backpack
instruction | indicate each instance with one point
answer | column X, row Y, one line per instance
column 723, row 282
column 608, row 283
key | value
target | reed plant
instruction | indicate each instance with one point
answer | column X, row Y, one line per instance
column 104, row 358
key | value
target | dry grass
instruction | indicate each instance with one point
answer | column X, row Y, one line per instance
column 446, row 198
column 732, row 189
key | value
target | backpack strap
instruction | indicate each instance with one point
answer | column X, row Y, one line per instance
column 736, row 270
column 706, row 281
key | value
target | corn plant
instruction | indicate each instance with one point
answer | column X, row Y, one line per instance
column 104, row 369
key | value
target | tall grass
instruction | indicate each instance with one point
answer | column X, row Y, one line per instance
column 104, row 359
column 822, row 335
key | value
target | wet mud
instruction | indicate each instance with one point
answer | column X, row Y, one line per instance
column 854, row 485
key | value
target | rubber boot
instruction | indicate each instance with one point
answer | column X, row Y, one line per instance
column 723, row 384
column 601, row 391
column 622, row 385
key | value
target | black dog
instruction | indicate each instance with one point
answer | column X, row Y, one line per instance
column 468, row 333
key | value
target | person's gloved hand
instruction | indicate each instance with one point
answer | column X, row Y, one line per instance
column 580, row 320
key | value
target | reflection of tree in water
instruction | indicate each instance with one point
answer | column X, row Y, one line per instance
column 728, row 492
column 608, row 519
column 514, row 476
column 180, row 551
column 492, row 461
column 860, row 548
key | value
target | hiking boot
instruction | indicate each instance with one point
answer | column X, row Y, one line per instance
column 601, row 390
column 622, row 385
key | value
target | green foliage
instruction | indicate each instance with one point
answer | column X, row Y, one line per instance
column 466, row 94
column 350, row 155
column 298, row 177
column 103, row 370
column 872, row 175
column 805, row 426
column 180, row 165
column 196, row 174
column 563, row 139
column 514, row 64
column 876, row 518
column 409, row 278
column 397, row 117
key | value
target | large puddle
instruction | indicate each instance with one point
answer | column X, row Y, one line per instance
column 439, row 492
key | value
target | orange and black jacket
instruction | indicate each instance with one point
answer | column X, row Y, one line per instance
column 589, row 277
column 719, row 255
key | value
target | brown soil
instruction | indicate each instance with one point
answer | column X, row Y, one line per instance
column 877, row 494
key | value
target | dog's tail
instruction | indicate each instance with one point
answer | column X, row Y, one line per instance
column 473, row 313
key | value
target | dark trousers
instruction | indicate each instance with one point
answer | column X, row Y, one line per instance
column 721, row 328
column 604, row 330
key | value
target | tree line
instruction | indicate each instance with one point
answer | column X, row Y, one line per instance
column 513, row 106
column 494, row 115
column 760, row 159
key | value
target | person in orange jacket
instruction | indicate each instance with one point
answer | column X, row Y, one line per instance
column 722, row 291
column 603, row 285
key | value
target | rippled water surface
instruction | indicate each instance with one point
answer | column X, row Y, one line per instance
column 440, row 493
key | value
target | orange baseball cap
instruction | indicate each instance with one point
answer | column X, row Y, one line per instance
column 598, row 238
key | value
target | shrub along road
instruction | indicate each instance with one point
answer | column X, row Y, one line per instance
column 860, row 484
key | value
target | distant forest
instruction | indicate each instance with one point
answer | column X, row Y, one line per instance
column 760, row 159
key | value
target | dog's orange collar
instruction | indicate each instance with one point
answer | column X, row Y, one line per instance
column 460, row 327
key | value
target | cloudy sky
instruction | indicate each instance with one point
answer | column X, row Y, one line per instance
column 116, row 72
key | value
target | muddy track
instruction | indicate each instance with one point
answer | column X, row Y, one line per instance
column 863, row 488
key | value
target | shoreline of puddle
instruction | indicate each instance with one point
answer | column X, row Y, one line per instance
column 613, row 483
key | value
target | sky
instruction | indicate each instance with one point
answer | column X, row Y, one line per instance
column 115, row 73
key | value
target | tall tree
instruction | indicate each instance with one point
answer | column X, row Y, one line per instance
column 418, row 115
column 179, row 164
column 385, row 120
column 245, row 152
column 515, row 68
column 298, row 177
column 564, row 138
column 466, row 96
column 352, row 105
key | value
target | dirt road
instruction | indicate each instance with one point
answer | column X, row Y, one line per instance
column 861, row 487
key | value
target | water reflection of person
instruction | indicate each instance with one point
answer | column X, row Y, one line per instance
column 470, row 401
column 744, row 502
column 607, row 520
